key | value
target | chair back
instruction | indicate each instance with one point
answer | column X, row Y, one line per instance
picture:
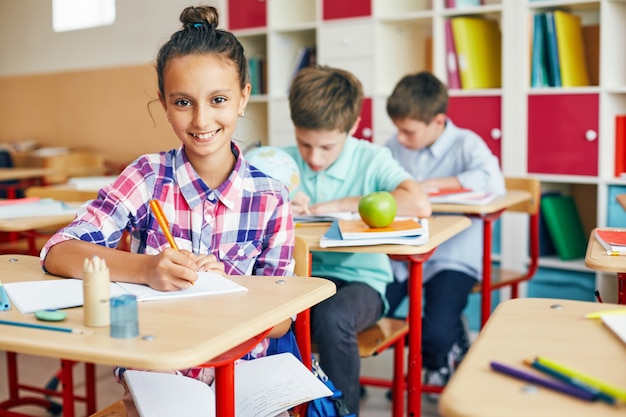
column 302, row 258
column 533, row 186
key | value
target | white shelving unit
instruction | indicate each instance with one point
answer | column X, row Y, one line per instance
column 382, row 40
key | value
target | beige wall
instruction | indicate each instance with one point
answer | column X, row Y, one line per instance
column 87, row 88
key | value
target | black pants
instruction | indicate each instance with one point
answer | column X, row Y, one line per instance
column 445, row 298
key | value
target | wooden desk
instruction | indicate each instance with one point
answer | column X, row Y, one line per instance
column 184, row 332
column 597, row 259
column 61, row 192
column 488, row 213
column 441, row 228
column 520, row 329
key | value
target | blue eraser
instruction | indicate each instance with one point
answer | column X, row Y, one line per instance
column 5, row 303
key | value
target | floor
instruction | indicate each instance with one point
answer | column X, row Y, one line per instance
column 37, row 371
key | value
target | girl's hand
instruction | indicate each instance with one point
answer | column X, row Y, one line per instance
column 171, row 270
column 209, row 263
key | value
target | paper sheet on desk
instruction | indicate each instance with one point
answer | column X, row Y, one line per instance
column 31, row 296
column 617, row 323
column 325, row 218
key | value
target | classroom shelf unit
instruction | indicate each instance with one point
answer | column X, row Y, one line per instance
column 565, row 136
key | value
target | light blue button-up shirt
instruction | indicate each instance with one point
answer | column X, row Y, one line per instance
column 462, row 154
column 360, row 169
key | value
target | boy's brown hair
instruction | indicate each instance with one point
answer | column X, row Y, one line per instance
column 325, row 98
column 419, row 96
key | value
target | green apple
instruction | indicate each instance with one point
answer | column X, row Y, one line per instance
column 378, row 209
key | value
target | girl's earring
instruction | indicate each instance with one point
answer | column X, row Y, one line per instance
column 240, row 114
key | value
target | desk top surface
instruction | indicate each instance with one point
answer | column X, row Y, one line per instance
column 440, row 229
column 522, row 329
column 185, row 332
column 597, row 259
column 511, row 198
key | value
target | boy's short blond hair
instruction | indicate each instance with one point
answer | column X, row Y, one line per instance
column 325, row 98
column 420, row 96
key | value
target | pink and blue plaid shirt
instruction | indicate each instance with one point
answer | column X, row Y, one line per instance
column 246, row 222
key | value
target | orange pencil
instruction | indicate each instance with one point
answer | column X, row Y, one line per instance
column 158, row 213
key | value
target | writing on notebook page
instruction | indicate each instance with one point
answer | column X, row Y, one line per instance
column 264, row 387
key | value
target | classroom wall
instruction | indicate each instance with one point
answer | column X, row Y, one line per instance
column 88, row 88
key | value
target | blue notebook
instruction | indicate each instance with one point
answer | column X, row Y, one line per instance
column 332, row 238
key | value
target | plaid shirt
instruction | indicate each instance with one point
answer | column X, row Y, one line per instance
column 246, row 222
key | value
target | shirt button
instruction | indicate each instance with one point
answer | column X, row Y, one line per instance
column 241, row 252
column 212, row 197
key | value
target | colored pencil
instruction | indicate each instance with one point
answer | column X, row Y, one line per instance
column 569, row 380
column 611, row 390
column 41, row 326
column 160, row 216
column 547, row 383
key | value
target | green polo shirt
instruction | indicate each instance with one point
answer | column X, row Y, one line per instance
column 362, row 168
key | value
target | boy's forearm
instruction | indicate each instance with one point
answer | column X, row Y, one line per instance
column 412, row 200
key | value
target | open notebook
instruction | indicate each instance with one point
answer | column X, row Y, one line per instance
column 264, row 387
column 30, row 296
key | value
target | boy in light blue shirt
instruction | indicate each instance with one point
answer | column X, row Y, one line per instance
column 336, row 170
column 439, row 155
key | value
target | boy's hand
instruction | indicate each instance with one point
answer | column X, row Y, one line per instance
column 300, row 203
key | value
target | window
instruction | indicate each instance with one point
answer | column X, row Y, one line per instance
column 81, row 14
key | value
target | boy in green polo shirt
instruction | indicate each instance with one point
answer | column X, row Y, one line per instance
column 336, row 170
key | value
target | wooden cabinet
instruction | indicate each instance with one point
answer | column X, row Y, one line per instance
column 563, row 134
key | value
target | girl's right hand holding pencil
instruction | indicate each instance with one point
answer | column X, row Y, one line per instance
column 172, row 270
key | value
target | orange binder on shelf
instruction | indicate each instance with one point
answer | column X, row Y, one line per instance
column 478, row 45
column 571, row 47
column 620, row 145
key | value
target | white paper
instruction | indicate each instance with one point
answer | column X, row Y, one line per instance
column 617, row 323
column 264, row 387
column 30, row 296
column 208, row 283
column 472, row 198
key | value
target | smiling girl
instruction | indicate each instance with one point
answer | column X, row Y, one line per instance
column 225, row 215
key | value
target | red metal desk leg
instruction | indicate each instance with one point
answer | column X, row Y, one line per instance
column 414, row 377
column 225, row 375
column 225, row 390
column 67, row 379
column 485, row 309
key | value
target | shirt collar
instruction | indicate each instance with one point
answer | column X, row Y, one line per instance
column 195, row 191
column 445, row 140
